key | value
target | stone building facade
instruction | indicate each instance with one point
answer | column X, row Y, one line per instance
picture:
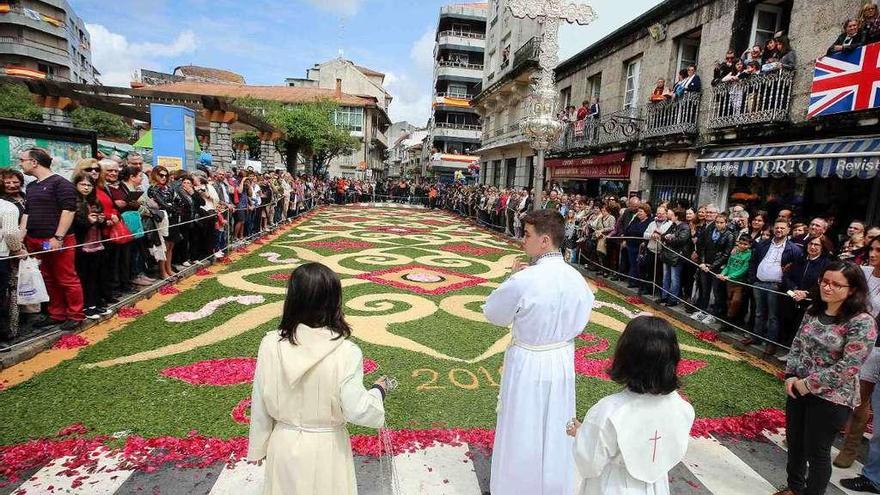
column 668, row 148
column 512, row 48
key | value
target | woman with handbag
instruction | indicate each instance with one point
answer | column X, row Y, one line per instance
column 165, row 197
column 90, row 255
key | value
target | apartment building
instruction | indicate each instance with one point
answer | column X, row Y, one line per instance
column 760, row 141
column 45, row 39
column 512, row 49
column 454, row 127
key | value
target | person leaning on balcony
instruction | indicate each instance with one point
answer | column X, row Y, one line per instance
column 692, row 83
column 787, row 58
column 660, row 93
column 869, row 21
column 583, row 110
column 724, row 68
column 753, row 53
column 851, row 38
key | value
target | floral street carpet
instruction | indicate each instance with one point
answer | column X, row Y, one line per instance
column 169, row 380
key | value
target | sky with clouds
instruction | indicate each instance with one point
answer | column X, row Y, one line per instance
column 267, row 41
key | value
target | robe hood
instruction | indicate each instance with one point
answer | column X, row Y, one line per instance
column 313, row 345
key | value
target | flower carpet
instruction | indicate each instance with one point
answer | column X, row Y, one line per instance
column 171, row 382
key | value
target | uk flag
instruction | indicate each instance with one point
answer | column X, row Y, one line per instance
column 846, row 82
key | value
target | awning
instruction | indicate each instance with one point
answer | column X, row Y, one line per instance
column 844, row 158
column 448, row 160
column 608, row 166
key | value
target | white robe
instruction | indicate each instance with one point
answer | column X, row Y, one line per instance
column 302, row 397
column 628, row 443
column 549, row 304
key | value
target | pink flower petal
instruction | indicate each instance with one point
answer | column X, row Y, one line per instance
column 70, row 341
column 168, row 290
column 215, row 372
column 370, row 366
column 238, row 412
column 129, row 312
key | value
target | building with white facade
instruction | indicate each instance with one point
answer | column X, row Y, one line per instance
column 371, row 125
column 454, row 126
column 45, row 39
column 512, row 48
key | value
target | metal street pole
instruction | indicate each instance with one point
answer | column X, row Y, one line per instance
column 540, row 124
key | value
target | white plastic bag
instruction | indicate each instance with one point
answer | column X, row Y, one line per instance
column 31, row 288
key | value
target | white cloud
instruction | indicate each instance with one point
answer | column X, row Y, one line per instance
column 612, row 14
column 117, row 58
column 344, row 7
column 410, row 84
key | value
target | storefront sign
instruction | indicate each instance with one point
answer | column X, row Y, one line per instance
column 844, row 168
column 610, row 166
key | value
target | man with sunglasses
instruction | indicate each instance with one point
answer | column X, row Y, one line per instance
column 48, row 216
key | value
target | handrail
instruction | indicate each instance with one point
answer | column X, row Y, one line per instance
column 462, row 34
column 460, row 65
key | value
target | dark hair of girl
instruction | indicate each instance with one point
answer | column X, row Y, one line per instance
column 646, row 357
column 314, row 298
column 92, row 196
column 857, row 301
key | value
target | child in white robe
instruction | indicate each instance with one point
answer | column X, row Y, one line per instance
column 307, row 385
column 629, row 441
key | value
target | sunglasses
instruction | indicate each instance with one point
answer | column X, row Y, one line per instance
column 163, row 175
column 92, row 169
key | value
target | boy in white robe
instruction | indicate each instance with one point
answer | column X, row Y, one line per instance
column 549, row 304
column 629, row 441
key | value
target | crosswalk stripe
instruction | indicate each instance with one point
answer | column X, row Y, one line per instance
column 103, row 481
column 242, row 478
column 721, row 471
column 440, row 469
column 778, row 437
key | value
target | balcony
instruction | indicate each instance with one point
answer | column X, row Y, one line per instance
column 16, row 45
column 529, row 51
column 671, row 117
column 615, row 129
column 459, row 71
column 17, row 16
column 470, row 132
column 761, row 99
column 503, row 136
column 462, row 39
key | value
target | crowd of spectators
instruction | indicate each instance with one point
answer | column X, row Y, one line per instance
column 116, row 227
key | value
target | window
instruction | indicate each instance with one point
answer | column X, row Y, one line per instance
column 688, row 52
column 594, row 86
column 459, row 58
column 765, row 23
column 510, row 172
column 350, row 118
column 631, row 90
column 461, row 28
column 565, row 97
column 457, row 90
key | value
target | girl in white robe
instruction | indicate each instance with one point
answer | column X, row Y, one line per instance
column 308, row 383
column 629, row 441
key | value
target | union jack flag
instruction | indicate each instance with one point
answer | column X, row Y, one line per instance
column 846, row 82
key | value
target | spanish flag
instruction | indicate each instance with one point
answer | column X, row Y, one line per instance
column 51, row 20
column 5, row 8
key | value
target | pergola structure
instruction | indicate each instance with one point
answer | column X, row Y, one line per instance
column 216, row 116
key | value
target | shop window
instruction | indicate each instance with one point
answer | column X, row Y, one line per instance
column 510, row 176
column 678, row 188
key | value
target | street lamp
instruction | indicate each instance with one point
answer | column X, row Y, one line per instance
column 540, row 124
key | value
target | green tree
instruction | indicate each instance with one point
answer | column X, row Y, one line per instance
column 250, row 139
column 106, row 124
column 337, row 142
column 16, row 102
column 307, row 126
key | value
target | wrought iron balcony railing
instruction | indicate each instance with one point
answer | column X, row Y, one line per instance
column 530, row 50
column 760, row 99
column 619, row 127
column 452, row 125
column 671, row 117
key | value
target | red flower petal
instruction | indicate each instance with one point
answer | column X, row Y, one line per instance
column 707, row 336
column 70, row 341
column 238, row 412
column 215, row 372
column 634, row 300
column 129, row 312
column 749, row 425
column 279, row 276
column 203, row 272
column 168, row 290
column 370, row 366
